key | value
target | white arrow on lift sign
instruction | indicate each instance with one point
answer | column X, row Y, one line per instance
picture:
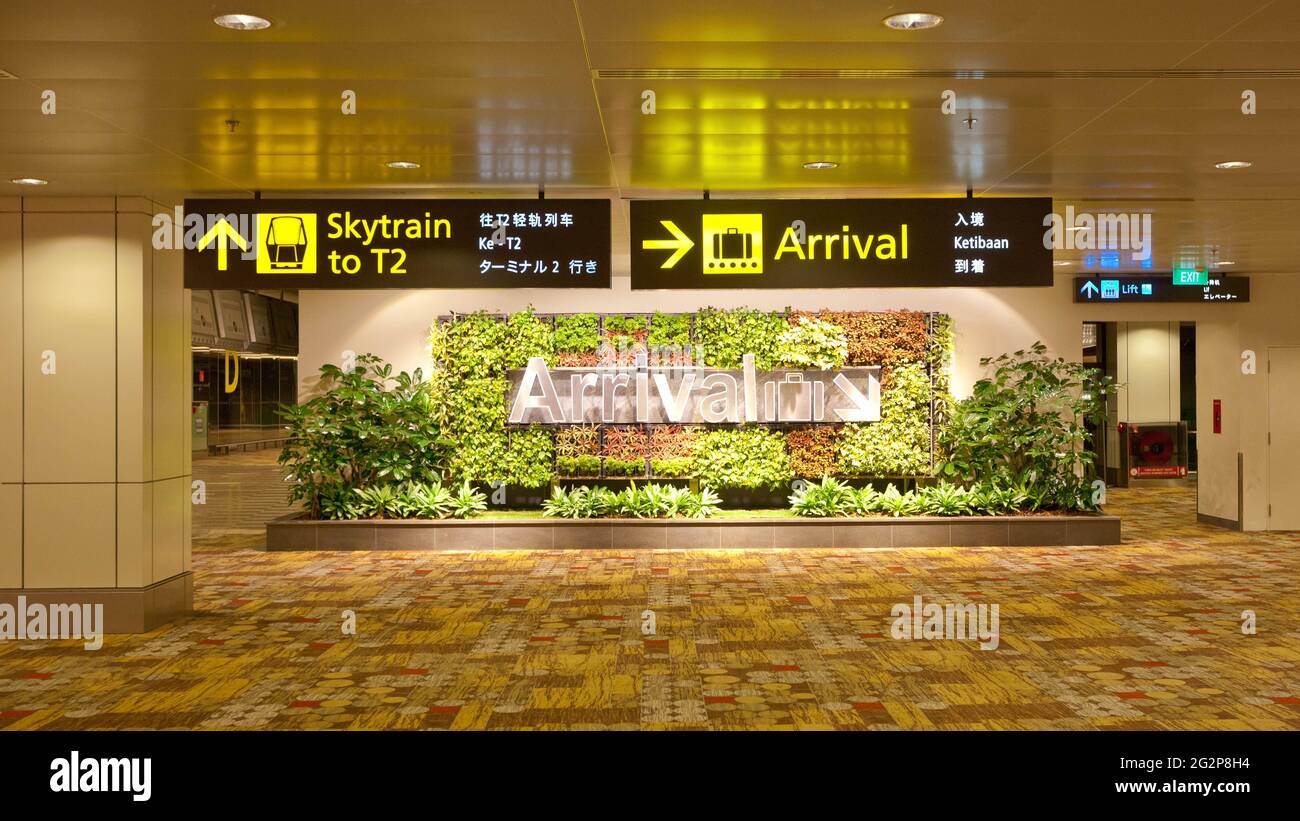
column 1084, row 290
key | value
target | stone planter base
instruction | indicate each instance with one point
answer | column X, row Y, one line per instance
column 548, row 534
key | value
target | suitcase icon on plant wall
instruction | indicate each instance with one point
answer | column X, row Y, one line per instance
column 733, row 244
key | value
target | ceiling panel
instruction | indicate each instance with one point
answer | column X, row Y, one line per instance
column 1111, row 103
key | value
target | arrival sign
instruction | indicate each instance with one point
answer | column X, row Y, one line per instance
column 840, row 243
column 403, row 243
column 641, row 394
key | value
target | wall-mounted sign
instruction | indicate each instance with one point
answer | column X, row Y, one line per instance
column 840, row 243
column 406, row 243
column 641, row 394
column 1161, row 288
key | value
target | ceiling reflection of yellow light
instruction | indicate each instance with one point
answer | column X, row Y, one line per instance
column 733, row 141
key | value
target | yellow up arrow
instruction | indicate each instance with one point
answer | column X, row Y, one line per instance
column 682, row 243
column 220, row 233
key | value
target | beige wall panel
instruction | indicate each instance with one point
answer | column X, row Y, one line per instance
column 187, row 361
column 134, row 349
column 169, row 501
column 11, row 204
column 1218, row 374
column 1149, row 370
column 69, row 532
column 11, row 536
column 69, row 307
column 171, row 372
column 11, row 347
column 135, row 521
column 69, row 205
column 187, row 528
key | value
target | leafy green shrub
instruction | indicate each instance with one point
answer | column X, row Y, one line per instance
column 830, row 497
column 527, row 336
column 727, row 335
column 529, row 456
column 579, row 503
column 577, row 333
column 404, row 500
column 940, row 356
column 367, row 428
column 946, row 499
column 1024, row 426
column 643, row 502
column 741, row 458
column 671, row 468
column 469, row 347
column 624, row 467
column 895, row 503
column 625, row 325
column 468, row 502
column 899, row 444
column 583, row 465
column 670, row 329
column 812, row 343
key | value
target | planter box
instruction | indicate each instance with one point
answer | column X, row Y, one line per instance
column 291, row 533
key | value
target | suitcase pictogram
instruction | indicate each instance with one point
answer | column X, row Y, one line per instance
column 733, row 244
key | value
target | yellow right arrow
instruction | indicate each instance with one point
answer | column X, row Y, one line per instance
column 682, row 243
column 220, row 233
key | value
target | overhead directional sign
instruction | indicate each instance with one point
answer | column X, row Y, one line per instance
column 1160, row 288
column 404, row 243
column 839, row 243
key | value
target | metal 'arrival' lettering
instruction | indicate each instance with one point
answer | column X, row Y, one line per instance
column 691, row 395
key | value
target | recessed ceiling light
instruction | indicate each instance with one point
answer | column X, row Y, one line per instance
column 1232, row 164
column 29, row 181
column 1061, row 263
column 1079, row 228
column 402, row 164
column 1225, row 262
column 817, row 165
column 242, row 22
column 913, row 20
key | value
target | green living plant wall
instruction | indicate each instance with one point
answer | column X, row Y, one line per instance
column 472, row 353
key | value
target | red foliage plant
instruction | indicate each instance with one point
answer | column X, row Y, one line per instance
column 812, row 451
column 879, row 337
column 626, row 444
column 672, row 441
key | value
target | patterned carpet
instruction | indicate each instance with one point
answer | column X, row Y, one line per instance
column 1142, row 636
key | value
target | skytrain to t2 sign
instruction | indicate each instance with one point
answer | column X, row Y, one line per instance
column 840, row 243
column 405, row 243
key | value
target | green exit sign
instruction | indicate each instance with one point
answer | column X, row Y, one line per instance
column 1191, row 276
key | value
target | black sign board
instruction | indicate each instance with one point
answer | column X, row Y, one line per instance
column 839, row 243
column 1160, row 288
column 404, row 243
